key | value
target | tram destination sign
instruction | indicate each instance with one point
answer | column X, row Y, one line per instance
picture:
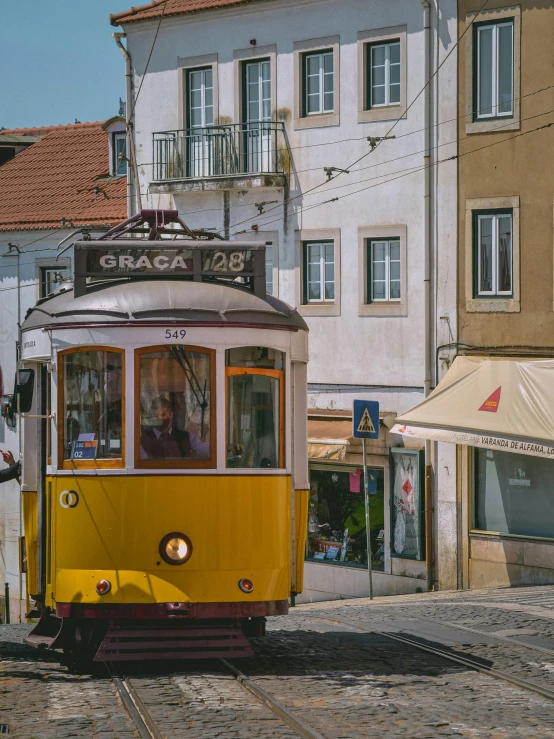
column 108, row 260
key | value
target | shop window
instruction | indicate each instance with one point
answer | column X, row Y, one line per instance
column 255, row 411
column 406, row 502
column 175, row 407
column 336, row 521
column 92, row 408
column 513, row 494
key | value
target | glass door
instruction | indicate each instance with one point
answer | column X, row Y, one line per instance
column 258, row 116
column 200, row 117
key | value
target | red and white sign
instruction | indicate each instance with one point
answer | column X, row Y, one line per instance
column 492, row 402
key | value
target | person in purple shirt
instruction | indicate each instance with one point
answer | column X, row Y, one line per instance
column 13, row 472
column 165, row 441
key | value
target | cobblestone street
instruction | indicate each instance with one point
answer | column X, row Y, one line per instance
column 330, row 666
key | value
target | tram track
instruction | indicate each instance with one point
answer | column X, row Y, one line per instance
column 473, row 664
column 148, row 728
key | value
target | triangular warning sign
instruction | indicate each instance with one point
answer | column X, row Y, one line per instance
column 366, row 424
column 492, row 402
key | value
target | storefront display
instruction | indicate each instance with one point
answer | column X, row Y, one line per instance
column 336, row 523
column 406, row 468
column 513, row 493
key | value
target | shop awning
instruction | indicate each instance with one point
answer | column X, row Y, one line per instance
column 328, row 438
column 489, row 402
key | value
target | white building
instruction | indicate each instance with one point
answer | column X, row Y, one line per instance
column 248, row 114
column 53, row 181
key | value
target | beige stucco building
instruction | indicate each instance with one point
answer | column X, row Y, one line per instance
column 507, row 529
column 505, row 275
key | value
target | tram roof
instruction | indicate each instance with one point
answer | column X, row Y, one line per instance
column 161, row 301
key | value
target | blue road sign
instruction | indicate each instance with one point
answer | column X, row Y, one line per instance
column 365, row 419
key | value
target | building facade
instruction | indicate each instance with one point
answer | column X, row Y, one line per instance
column 331, row 139
column 56, row 181
column 505, row 268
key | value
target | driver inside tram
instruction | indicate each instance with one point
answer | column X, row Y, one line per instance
column 165, row 441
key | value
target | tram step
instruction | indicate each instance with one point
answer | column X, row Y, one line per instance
column 163, row 641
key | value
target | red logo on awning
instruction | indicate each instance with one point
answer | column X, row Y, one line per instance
column 492, row 402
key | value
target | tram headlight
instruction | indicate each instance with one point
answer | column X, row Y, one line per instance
column 175, row 548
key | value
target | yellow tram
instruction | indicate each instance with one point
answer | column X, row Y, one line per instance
column 165, row 488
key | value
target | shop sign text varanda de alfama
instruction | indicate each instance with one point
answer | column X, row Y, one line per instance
column 484, row 441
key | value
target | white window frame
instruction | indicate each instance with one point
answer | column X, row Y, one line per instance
column 118, row 136
column 474, row 125
column 491, row 303
column 203, row 87
column 387, row 280
column 302, row 50
column 387, row 46
column 320, row 56
column 494, row 252
column 322, row 272
column 495, row 71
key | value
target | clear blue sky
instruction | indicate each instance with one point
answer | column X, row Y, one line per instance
column 59, row 61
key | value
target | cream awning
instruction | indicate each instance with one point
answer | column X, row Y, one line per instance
column 328, row 438
column 489, row 402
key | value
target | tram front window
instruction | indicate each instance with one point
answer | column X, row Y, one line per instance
column 175, row 404
column 93, row 426
column 255, row 412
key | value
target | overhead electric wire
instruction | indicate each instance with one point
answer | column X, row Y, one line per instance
column 420, row 169
column 382, row 138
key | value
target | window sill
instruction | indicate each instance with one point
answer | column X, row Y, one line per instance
column 319, row 309
column 493, row 125
column 476, row 533
column 383, row 309
column 386, row 113
column 493, row 305
column 320, row 120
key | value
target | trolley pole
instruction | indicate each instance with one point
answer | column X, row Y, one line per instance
column 367, row 521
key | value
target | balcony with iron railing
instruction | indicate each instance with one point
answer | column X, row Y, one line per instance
column 220, row 157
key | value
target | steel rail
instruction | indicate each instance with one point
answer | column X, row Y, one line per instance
column 288, row 717
column 465, row 661
column 134, row 706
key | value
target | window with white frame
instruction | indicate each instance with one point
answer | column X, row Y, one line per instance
column 383, row 74
column 318, row 83
column 319, row 272
column 493, row 260
column 494, row 70
column 383, row 261
column 119, row 164
column 51, row 279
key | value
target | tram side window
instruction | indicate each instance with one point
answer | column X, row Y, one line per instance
column 255, row 413
column 175, row 405
column 92, row 382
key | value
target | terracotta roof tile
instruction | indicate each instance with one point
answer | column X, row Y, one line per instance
column 173, row 7
column 56, row 178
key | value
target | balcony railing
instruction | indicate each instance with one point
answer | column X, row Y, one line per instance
column 214, row 151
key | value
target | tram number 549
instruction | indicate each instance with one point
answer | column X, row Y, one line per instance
column 178, row 334
column 220, row 261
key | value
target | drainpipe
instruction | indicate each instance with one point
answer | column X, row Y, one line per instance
column 427, row 288
column 133, row 182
